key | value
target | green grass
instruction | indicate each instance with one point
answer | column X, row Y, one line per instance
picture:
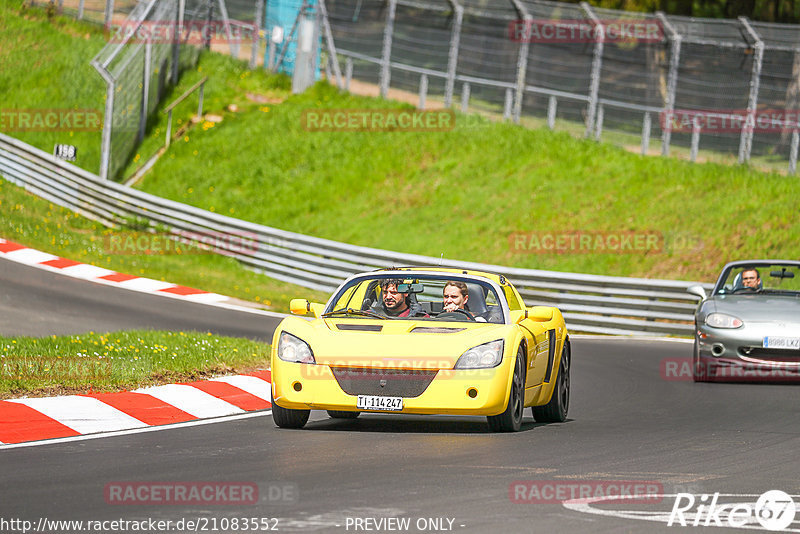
column 465, row 192
column 120, row 360
column 44, row 65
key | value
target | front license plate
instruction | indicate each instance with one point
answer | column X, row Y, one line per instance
column 781, row 342
column 375, row 402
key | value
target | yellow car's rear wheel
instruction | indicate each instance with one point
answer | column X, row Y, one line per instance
column 555, row 411
column 511, row 419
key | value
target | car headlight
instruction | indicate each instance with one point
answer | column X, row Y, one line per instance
column 723, row 320
column 293, row 349
column 481, row 357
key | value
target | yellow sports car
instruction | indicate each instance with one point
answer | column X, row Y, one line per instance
column 422, row 340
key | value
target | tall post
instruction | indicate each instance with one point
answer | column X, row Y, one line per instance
column 233, row 45
column 386, row 56
column 305, row 52
column 746, row 137
column 597, row 65
column 209, row 18
column 348, row 73
column 695, row 139
column 646, row 133
column 109, row 13
column 108, row 120
column 330, row 44
column 176, row 45
column 257, row 33
column 452, row 54
column 522, row 59
column 80, row 10
column 148, row 58
column 675, row 39
column 552, row 104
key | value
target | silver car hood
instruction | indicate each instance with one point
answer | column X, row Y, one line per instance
column 759, row 308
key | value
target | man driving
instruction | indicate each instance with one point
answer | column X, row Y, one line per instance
column 395, row 304
column 751, row 279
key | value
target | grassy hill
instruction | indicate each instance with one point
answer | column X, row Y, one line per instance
column 471, row 192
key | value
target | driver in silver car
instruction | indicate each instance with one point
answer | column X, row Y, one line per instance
column 751, row 279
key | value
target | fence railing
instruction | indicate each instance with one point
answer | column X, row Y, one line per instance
column 689, row 68
column 590, row 303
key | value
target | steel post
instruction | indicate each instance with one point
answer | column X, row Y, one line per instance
column 386, row 55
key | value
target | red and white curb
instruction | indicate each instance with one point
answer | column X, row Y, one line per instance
column 35, row 419
column 22, row 254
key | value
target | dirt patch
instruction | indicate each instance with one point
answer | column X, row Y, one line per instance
column 264, row 99
column 358, row 87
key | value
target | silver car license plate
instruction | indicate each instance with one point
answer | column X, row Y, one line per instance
column 781, row 342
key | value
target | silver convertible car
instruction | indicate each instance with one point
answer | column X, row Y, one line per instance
column 748, row 329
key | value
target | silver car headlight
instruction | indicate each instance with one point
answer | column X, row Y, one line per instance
column 293, row 349
column 482, row 357
column 723, row 320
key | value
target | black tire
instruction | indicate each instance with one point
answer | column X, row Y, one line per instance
column 699, row 371
column 289, row 418
column 339, row 414
column 556, row 410
column 511, row 419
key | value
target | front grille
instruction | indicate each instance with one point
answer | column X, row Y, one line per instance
column 771, row 355
column 396, row 382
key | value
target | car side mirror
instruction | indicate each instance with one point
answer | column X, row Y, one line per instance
column 540, row 313
column 697, row 290
column 302, row 307
column 299, row 306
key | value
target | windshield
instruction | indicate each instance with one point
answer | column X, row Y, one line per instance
column 761, row 279
column 430, row 298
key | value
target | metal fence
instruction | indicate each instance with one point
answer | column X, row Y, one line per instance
column 137, row 70
column 590, row 303
column 731, row 86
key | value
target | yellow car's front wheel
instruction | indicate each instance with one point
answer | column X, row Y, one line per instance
column 289, row 418
column 511, row 419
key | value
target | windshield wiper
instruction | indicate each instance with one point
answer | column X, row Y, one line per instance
column 351, row 311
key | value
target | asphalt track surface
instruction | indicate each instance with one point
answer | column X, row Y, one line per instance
column 36, row 302
column 626, row 423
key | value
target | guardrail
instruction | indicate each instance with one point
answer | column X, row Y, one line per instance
column 590, row 303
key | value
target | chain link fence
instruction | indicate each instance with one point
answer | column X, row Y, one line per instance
column 652, row 80
column 149, row 43
column 725, row 86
